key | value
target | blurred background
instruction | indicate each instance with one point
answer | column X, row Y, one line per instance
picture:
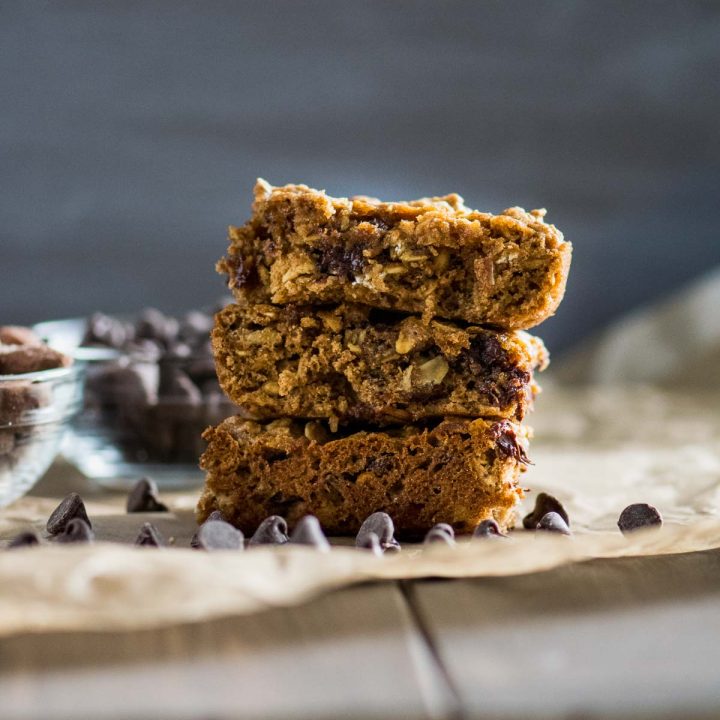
column 132, row 132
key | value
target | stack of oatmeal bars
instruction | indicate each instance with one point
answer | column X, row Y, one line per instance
column 379, row 355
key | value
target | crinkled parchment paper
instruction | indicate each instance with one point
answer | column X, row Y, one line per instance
column 596, row 449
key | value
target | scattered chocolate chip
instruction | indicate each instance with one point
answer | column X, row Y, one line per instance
column 371, row 542
column 488, row 529
column 271, row 531
column 553, row 522
column 144, row 498
column 544, row 504
column 214, row 515
column 70, row 508
column 444, row 527
column 219, row 535
column 76, row 531
column 637, row 516
column 440, row 533
column 308, row 532
column 24, row 539
column 149, row 536
column 382, row 525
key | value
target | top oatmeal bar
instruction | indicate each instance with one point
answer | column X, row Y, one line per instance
column 431, row 256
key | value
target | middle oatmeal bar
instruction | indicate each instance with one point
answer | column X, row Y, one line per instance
column 350, row 363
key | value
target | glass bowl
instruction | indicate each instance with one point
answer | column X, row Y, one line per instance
column 140, row 416
column 35, row 412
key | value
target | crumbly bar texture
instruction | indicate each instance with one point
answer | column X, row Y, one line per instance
column 431, row 256
column 458, row 471
column 350, row 363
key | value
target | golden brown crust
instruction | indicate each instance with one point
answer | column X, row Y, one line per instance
column 351, row 363
column 432, row 256
column 459, row 471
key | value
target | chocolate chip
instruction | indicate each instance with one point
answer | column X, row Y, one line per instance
column 382, row 525
column 214, row 515
column 76, row 531
column 371, row 542
column 195, row 327
column 637, row 516
column 175, row 384
column 488, row 529
column 219, row 535
column 149, row 536
column 144, row 498
column 553, row 522
column 155, row 325
column 440, row 533
column 70, row 508
column 105, row 330
column 341, row 260
column 444, row 527
column 26, row 538
column 308, row 532
column 271, row 531
column 544, row 504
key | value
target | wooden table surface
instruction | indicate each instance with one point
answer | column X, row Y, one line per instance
column 602, row 639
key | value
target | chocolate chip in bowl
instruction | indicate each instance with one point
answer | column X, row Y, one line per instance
column 40, row 391
column 151, row 392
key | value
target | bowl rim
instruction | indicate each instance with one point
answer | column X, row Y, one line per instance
column 50, row 374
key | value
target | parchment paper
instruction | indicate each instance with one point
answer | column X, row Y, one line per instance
column 602, row 442
column 596, row 449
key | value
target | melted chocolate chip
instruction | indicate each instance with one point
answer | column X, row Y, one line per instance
column 506, row 443
column 501, row 380
column 380, row 465
column 343, row 261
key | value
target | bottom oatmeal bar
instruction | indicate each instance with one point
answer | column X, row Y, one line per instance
column 458, row 471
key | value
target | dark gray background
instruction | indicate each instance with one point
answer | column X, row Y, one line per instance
column 132, row 133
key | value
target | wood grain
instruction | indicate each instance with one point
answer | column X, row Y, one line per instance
column 607, row 639
column 353, row 653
